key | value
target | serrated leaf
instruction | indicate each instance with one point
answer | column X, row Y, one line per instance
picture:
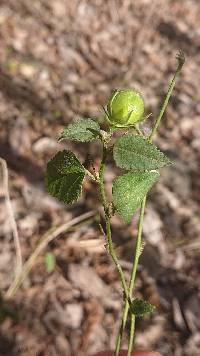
column 64, row 177
column 136, row 152
column 129, row 191
column 140, row 307
column 81, row 130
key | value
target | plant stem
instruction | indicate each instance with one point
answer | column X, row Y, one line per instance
column 132, row 332
column 111, row 249
column 181, row 60
column 112, row 253
column 133, row 275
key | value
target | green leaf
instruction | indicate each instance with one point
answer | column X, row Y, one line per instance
column 136, row 152
column 50, row 262
column 140, row 307
column 129, row 191
column 64, row 177
column 82, row 130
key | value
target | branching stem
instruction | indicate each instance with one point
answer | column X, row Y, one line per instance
column 181, row 60
column 105, row 204
column 131, row 339
column 132, row 279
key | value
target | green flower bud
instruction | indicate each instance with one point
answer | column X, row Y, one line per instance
column 125, row 107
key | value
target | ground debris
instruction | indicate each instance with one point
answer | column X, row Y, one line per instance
column 59, row 61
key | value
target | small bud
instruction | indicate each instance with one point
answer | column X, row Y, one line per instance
column 125, row 107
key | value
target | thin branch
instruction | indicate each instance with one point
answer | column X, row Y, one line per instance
column 132, row 332
column 11, row 217
column 105, row 204
column 181, row 60
column 45, row 240
column 132, row 279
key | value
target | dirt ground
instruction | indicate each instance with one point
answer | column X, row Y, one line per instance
column 59, row 60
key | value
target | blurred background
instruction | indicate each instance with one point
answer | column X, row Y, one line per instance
column 59, row 60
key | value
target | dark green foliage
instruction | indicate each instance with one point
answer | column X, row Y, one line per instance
column 81, row 130
column 64, row 177
column 140, row 307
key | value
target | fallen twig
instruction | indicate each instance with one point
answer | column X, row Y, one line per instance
column 45, row 240
column 11, row 217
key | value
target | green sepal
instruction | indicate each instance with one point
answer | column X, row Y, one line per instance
column 64, row 177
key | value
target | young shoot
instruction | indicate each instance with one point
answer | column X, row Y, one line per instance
column 141, row 161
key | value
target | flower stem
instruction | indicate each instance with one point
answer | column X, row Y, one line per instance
column 181, row 60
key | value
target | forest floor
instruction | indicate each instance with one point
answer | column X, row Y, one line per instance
column 60, row 60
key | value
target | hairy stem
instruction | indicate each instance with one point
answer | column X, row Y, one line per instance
column 133, row 275
column 181, row 60
column 132, row 332
column 105, row 204
column 112, row 253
